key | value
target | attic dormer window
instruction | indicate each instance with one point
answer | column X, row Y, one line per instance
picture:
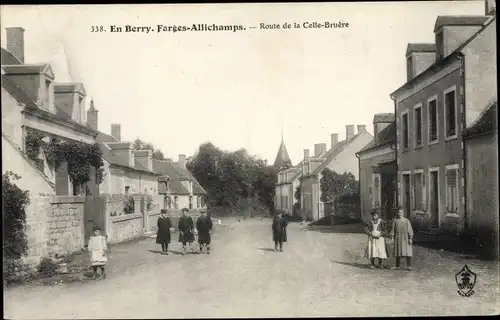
column 48, row 94
column 439, row 45
column 409, row 67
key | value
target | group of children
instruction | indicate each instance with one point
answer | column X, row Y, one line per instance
column 401, row 235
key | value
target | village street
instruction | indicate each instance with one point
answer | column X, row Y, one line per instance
column 320, row 273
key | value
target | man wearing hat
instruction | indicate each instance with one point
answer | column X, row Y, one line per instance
column 186, row 226
column 279, row 231
column 204, row 226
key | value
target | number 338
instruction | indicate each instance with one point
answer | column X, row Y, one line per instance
column 96, row 29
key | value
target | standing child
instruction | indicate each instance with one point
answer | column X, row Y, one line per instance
column 97, row 250
column 163, row 236
column 402, row 235
column 186, row 226
column 304, row 224
column 375, row 248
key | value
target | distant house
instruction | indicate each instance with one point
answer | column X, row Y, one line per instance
column 177, row 184
column 126, row 171
column 288, row 182
column 446, row 91
column 33, row 102
column 481, row 145
column 340, row 158
column 378, row 169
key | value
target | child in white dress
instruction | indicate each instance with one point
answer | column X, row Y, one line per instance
column 375, row 247
column 98, row 252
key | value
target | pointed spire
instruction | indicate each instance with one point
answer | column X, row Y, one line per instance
column 282, row 158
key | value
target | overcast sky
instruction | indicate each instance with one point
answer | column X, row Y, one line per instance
column 178, row 90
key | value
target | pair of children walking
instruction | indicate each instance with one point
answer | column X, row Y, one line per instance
column 401, row 234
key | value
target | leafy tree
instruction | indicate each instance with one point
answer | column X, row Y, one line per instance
column 142, row 145
column 334, row 185
column 297, row 193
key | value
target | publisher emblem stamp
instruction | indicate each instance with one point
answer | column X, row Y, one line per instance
column 466, row 280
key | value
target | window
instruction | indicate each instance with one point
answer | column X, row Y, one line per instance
column 406, row 143
column 439, row 45
column 198, row 202
column 418, row 191
column 433, row 120
column 418, row 125
column 409, row 67
column 190, row 202
column 176, row 205
column 376, row 190
column 47, row 94
column 452, row 189
column 450, row 109
column 127, row 188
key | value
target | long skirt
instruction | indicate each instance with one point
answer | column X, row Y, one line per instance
column 204, row 237
column 376, row 248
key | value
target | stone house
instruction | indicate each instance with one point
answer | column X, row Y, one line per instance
column 378, row 169
column 449, row 83
column 126, row 171
column 32, row 101
column 481, row 145
column 340, row 158
column 287, row 183
column 177, row 184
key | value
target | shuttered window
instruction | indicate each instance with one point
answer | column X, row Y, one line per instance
column 452, row 190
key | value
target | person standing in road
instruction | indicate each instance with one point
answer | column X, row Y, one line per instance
column 279, row 231
column 163, row 236
column 186, row 226
column 375, row 248
column 98, row 248
column 402, row 235
column 204, row 226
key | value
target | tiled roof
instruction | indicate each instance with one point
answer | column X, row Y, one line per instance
column 168, row 168
column 459, row 21
column 114, row 159
column 333, row 152
column 104, row 137
column 8, row 58
column 69, row 87
column 383, row 118
column 438, row 65
column 17, row 93
column 420, row 47
column 386, row 136
column 486, row 123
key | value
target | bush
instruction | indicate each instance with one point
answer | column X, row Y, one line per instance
column 15, row 201
column 47, row 268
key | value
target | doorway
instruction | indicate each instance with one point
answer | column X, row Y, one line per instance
column 406, row 195
column 434, row 197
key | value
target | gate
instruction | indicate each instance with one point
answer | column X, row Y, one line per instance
column 94, row 214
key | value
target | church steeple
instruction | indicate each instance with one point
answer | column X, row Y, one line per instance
column 282, row 158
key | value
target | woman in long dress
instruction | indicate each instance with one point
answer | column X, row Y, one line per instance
column 375, row 248
column 163, row 236
column 186, row 227
column 98, row 248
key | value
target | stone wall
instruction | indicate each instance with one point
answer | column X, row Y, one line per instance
column 125, row 227
column 54, row 227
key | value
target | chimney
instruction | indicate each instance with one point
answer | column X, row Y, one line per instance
column 419, row 57
column 306, row 154
column 319, row 148
column 380, row 122
column 116, row 131
column 361, row 128
column 144, row 157
column 335, row 139
column 453, row 31
column 92, row 116
column 491, row 7
column 182, row 160
column 15, row 42
column 349, row 131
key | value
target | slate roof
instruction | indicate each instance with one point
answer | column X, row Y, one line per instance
column 333, row 152
column 104, row 137
column 69, row 88
column 117, row 160
column 486, row 123
column 420, row 47
column 16, row 92
column 383, row 118
column 26, row 68
column 282, row 157
column 8, row 58
column 168, row 168
column 459, row 21
column 385, row 137
column 438, row 65
column 184, row 174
